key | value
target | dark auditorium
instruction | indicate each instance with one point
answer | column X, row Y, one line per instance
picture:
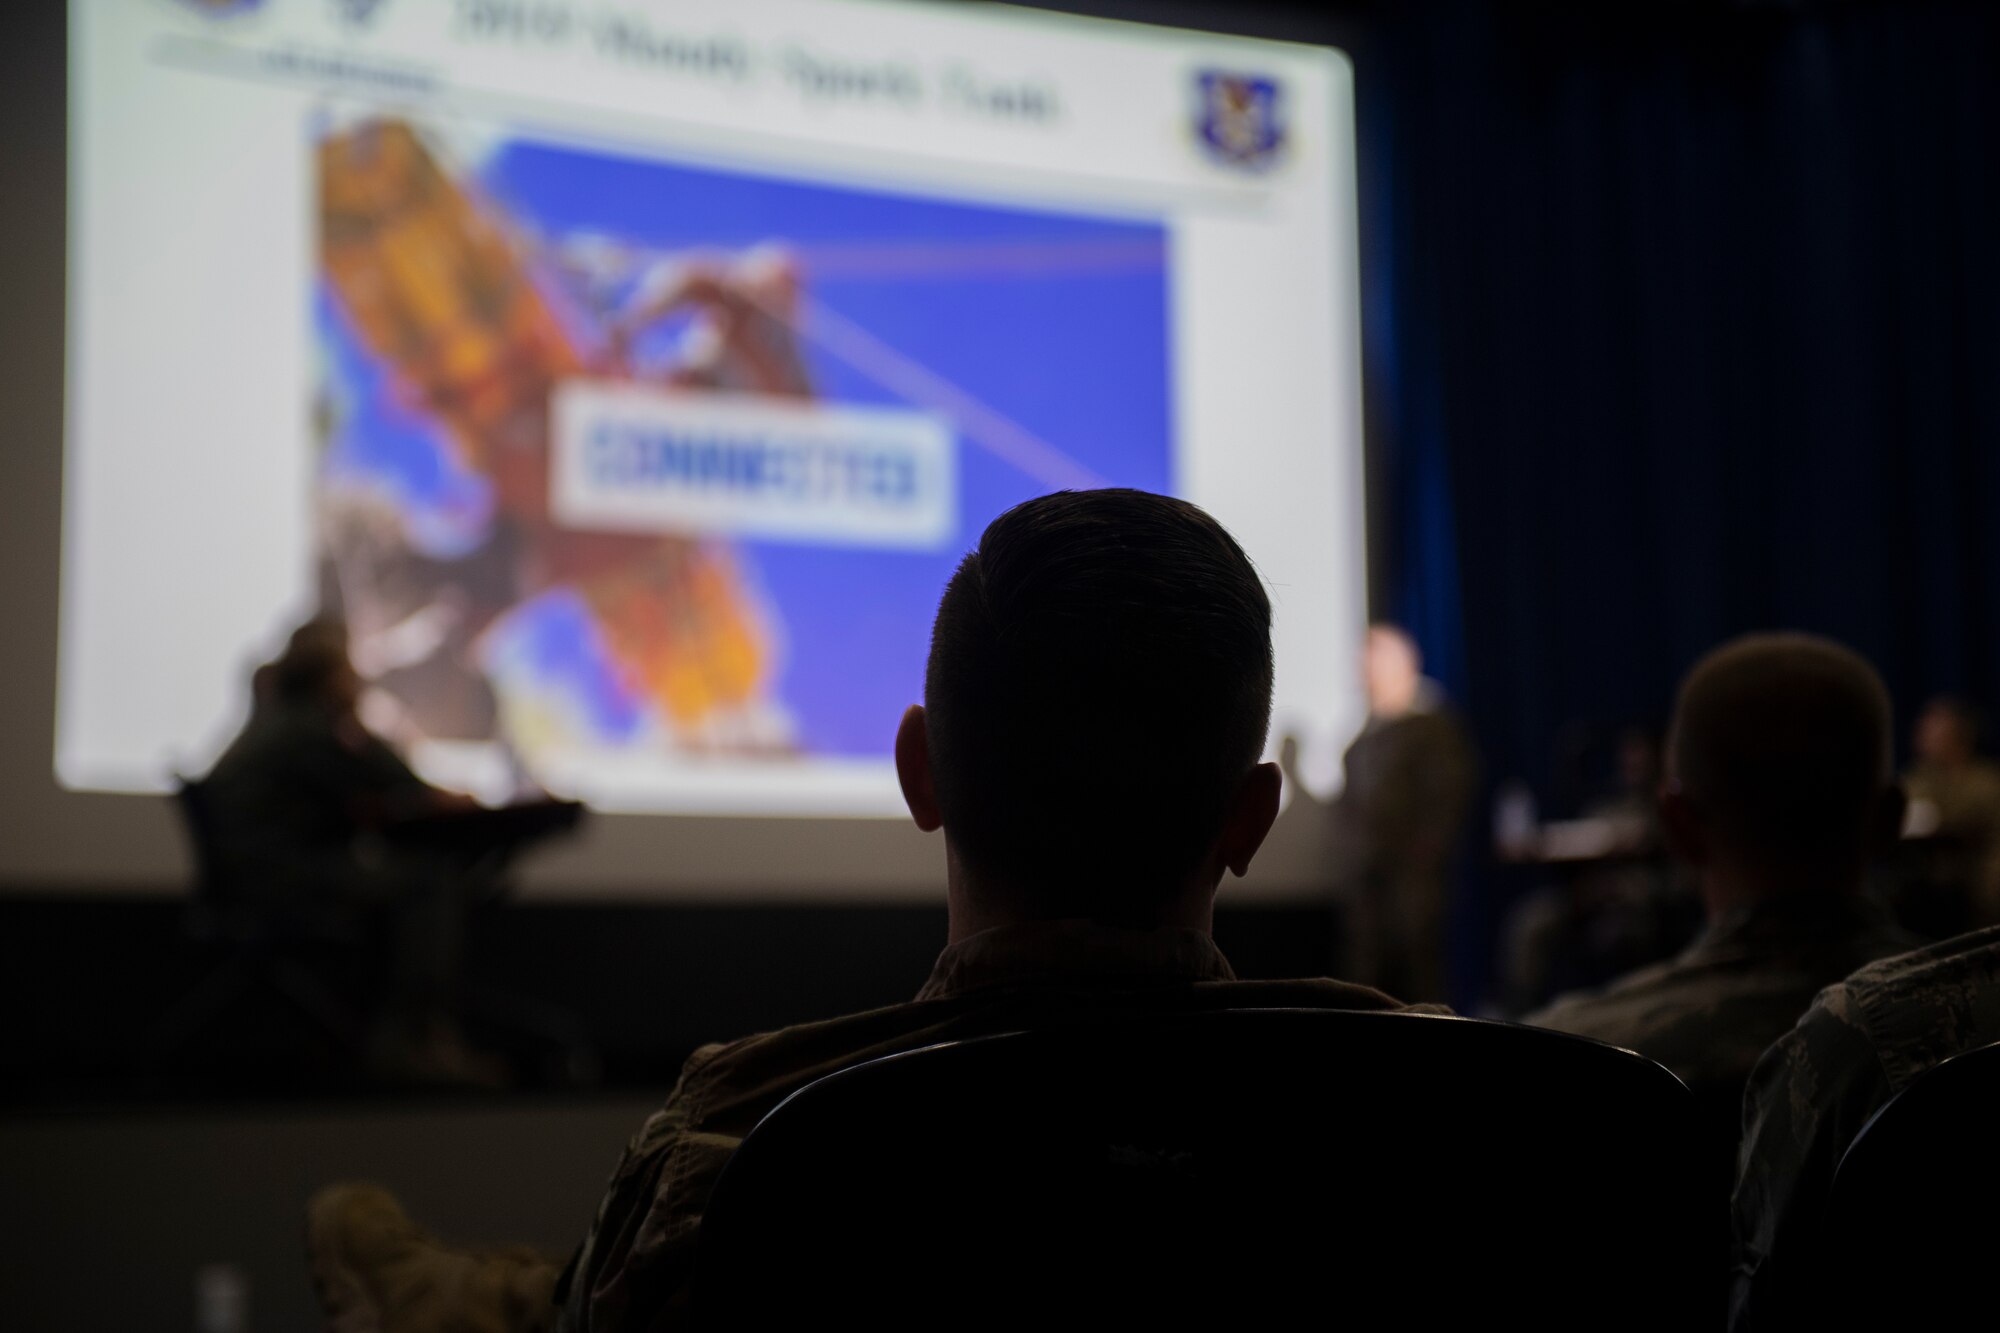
column 1138, row 664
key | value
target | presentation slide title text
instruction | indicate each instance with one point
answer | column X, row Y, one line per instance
column 813, row 73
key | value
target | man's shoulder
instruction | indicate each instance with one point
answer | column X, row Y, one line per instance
column 850, row 1038
column 1617, row 1005
column 806, row 1049
column 1729, row 969
column 1916, row 1009
column 1707, row 1023
column 1894, row 1018
column 1962, row 964
column 726, row 1087
column 1304, row 993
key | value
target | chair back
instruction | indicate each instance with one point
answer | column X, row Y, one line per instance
column 1908, row 1236
column 1221, row 1170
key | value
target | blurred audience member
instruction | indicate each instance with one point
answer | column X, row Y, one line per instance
column 1779, row 789
column 1096, row 701
column 296, row 801
column 1952, row 854
column 1615, row 902
column 1860, row 1044
column 1398, row 821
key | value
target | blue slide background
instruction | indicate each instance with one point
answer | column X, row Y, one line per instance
column 1077, row 356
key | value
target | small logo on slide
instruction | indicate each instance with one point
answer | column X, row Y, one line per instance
column 1240, row 118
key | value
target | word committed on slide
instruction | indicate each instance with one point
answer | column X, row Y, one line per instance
column 635, row 458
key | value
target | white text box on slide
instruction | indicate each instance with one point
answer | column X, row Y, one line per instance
column 630, row 458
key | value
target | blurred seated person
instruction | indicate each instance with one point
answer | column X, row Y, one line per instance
column 1779, row 790
column 1095, row 704
column 1614, row 902
column 1951, row 858
column 301, row 803
column 1406, row 792
column 1863, row 1041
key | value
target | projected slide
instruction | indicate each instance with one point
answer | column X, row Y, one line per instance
column 631, row 386
column 653, row 482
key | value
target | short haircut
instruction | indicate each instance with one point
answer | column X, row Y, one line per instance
column 1784, row 743
column 1099, row 686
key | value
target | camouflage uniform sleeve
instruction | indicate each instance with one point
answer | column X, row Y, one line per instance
column 1808, row 1098
column 630, row 1264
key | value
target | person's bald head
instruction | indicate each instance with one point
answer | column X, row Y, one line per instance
column 1779, row 756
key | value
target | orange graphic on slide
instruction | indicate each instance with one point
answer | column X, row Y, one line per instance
column 440, row 291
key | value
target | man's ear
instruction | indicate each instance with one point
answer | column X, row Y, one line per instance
column 1251, row 813
column 1680, row 820
column 913, row 769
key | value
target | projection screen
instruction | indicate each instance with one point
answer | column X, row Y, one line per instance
column 630, row 378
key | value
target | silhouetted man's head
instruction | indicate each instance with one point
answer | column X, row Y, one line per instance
column 1095, row 708
column 1779, row 761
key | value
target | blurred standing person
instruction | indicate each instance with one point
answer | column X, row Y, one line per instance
column 1398, row 821
column 1954, row 824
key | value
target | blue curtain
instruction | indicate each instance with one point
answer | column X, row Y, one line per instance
column 1684, row 321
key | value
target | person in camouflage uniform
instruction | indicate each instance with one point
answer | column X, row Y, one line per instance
column 1863, row 1041
column 1779, row 792
column 1081, row 621
column 1711, row 1013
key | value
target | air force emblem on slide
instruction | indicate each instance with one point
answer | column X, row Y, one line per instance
column 1240, row 118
